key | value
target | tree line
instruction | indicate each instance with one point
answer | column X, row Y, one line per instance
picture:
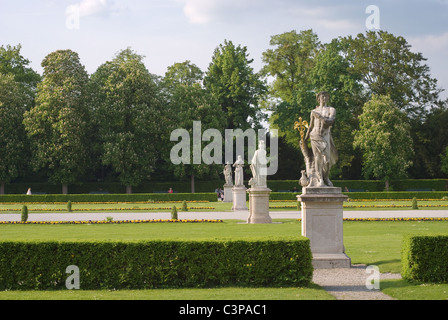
column 67, row 126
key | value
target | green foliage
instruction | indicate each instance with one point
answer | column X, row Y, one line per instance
column 128, row 116
column 69, row 206
column 444, row 158
column 184, row 206
column 156, row 264
column 136, row 197
column 414, row 203
column 24, row 216
column 58, row 125
column 387, row 66
column 232, row 80
column 425, row 258
column 384, row 138
column 174, row 213
column 13, row 144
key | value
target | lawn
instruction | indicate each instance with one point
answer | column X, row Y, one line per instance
column 367, row 242
column 209, row 206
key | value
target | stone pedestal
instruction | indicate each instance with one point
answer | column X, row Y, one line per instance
column 322, row 218
column 228, row 197
column 239, row 198
column 259, row 206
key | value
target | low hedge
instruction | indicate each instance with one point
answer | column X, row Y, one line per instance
column 156, row 264
column 135, row 197
column 371, row 195
column 425, row 258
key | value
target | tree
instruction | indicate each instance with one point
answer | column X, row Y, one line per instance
column 13, row 146
column 236, row 86
column 332, row 73
column 188, row 101
column 444, row 163
column 128, row 117
column 387, row 66
column 384, row 138
column 290, row 64
column 12, row 62
column 58, row 124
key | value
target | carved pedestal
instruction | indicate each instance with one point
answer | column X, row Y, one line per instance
column 259, row 206
column 322, row 218
column 239, row 198
column 228, row 196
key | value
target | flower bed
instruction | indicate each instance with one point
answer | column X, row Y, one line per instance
column 115, row 221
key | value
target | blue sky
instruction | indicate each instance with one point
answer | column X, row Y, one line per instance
column 172, row 31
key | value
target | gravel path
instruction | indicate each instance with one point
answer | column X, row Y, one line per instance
column 350, row 283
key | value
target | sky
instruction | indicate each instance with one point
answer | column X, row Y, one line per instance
column 170, row 31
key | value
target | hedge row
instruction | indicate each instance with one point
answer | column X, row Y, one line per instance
column 156, row 264
column 371, row 195
column 425, row 258
column 211, row 185
column 211, row 197
column 135, row 197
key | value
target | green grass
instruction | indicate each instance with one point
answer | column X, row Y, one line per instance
column 314, row 292
column 367, row 242
column 211, row 206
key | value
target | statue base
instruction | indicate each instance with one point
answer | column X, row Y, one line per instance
column 322, row 219
column 259, row 206
column 228, row 197
column 239, row 198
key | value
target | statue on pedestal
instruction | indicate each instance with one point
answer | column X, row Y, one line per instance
column 259, row 167
column 323, row 154
column 228, row 174
column 239, row 177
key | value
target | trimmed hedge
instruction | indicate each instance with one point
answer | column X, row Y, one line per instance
column 156, row 264
column 135, row 197
column 371, row 195
column 425, row 258
column 211, row 185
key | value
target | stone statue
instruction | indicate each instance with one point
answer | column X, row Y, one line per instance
column 228, row 174
column 259, row 166
column 239, row 177
column 323, row 154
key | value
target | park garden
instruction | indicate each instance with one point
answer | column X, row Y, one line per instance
column 101, row 143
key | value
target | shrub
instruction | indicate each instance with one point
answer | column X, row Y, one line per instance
column 184, row 206
column 425, row 258
column 69, row 206
column 24, row 216
column 174, row 213
column 263, row 262
column 414, row 203
column 136, row 197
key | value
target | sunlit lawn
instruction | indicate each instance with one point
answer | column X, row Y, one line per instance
column 210, row 206
column 367, row 242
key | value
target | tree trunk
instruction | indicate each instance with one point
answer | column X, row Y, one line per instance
column 64, row 189
column 2, row 187
column 192, row 183
column 128, row 189
column 387, row 185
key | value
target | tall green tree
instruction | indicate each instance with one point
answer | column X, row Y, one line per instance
column 12, row 62
column 384, row 138
column 289, row 64
column 128, row 116
column 57, row 125
column 13, row 141
column 388, row 66
column 238, row 89
column 189, row 101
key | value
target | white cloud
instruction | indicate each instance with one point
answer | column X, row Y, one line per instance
column 90, row 7
column 205, row 11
